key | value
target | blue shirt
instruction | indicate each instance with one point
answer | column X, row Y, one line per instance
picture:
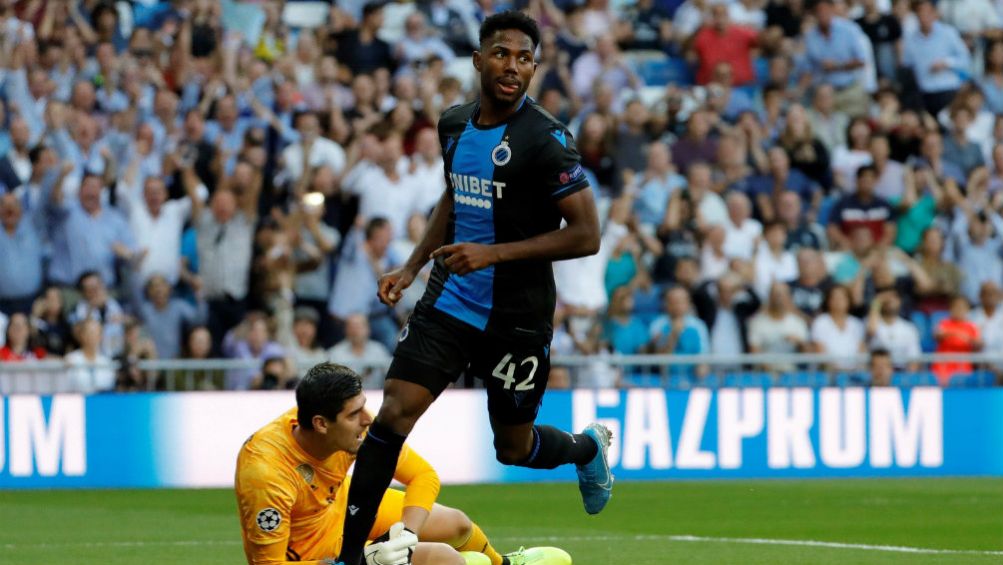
column 165, row 326
column 944, row 44
column 81, row 242
column 653, row 198
column 693, row 340
column 994, row 95
column 21, row 257
column 355, row 283
column 842, row 45
column 626, row 337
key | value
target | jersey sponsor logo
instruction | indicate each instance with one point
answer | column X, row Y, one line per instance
column 305, row 471
column 571, row 174
column 501, row 154
column 560, row 137
column 269, row 519
column 474, row 191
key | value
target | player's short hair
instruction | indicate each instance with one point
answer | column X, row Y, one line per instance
column 510, row 19
column 323, row 391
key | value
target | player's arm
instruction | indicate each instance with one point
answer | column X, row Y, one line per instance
column 265, row 500
column 422, row 484
column 393, row 284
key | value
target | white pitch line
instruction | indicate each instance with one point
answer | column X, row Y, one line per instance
column 558, row 539
column 764, row 541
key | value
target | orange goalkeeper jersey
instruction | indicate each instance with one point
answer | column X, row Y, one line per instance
column 292, row 506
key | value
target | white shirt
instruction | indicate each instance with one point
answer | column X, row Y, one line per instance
column 711, row 265
column 323, row 152
column 21, row 165
column 430, row 180
column 85, row 378
column 160, row 236
column 580, row 282
column 891, row 183
column 712, row 210
column 990, row 327
column 726, row 335
column 900, row 338
column 845, row 163
column 844, row 343
column 740, row 241
column 381, row 197
column 770, row 335
column 771, row 268
column 374, row 353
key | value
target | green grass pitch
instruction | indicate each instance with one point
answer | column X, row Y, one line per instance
column 733, row 522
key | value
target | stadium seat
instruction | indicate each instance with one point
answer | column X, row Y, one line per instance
column 665, row 71
column 812, row 379
column 844, row 380
column 978, row 379
column 648, row 303
column 922, row 378
column 643, row 379
column 680, row 382
column 922, row 322
column 747, row 380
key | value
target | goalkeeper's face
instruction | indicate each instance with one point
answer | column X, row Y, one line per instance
column 345, row 433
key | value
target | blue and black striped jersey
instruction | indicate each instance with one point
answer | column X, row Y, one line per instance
column 505, row 181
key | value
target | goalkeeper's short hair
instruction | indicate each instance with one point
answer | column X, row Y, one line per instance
column 323, row 391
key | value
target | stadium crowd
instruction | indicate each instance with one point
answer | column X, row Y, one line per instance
column 200, row 179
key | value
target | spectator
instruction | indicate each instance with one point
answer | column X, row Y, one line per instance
column 977, row 241
column 808, row 292
column 773, row 262
column 365, row 255
column 932, row 157
column 836, row 333
column 357, row 351
column 802, row 232
column 251, row 340
column 385, row 191
column 837, row 58
column 742, row 232
column 830, row 126
column 709, row 208
column 881, row 367
column 419, row 45
column 945, row 276
column 167, row 318
column 426, row 169
column 862, row 208
column 312, row 150
column 89, row 370
column 15, row 165
column 958, row 149
column 956, row 334
column 891, row 182
column 622, row 330
column 886, row 329
column 697, row 145
column 274, row 375
column 806, row 152
column 49, row 321
column 22, row 251
column 778, row 328
column 725, row 306
column 884, row 32
column 937, row 56
column 137, row 348
column 19, row 344
column 847, row 159
column 87, row 236
column 604, row 64
column 988, row 317
column 714, row 262
column 303, row 349
column 991, row 83
column 96, row 304
column 361, row 50
column 225, row 236
column 721, row 41
column 646, row 25
column 659, row 182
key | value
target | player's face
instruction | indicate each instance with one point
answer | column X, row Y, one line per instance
column 352, row 422
column 506, row 64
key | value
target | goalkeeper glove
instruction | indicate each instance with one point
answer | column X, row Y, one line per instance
column 396, row 549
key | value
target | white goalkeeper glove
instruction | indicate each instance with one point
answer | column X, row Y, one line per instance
column 396, row 550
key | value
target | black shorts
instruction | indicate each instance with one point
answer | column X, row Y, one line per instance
column 434, row 349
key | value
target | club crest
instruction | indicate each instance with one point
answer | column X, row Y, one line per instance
column 501, row 154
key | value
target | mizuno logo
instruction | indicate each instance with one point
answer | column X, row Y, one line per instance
column 559, row 136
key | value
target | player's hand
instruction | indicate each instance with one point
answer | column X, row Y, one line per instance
column 397, row 550
column 464, row 258
column 392, row 285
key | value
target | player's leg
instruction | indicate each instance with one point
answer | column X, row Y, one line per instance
column 427, row 553
column 453, row 527
column 411, row 387
column 515, row 384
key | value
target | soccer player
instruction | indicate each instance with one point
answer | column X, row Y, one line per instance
column 512, row 174
column 292, row 486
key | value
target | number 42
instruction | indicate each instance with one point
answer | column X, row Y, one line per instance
column 505, row 370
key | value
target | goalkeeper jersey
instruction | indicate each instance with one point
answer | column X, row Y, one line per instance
column 292, row 505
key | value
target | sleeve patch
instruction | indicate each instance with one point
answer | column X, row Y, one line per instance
column 269, row 519
column 570, row 175
column 560, row 137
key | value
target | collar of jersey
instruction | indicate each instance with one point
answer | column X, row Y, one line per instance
column 477, row 112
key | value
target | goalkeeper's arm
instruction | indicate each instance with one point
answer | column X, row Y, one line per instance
column 422, row 487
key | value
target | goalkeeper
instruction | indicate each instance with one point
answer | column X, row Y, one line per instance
column 292, row 487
